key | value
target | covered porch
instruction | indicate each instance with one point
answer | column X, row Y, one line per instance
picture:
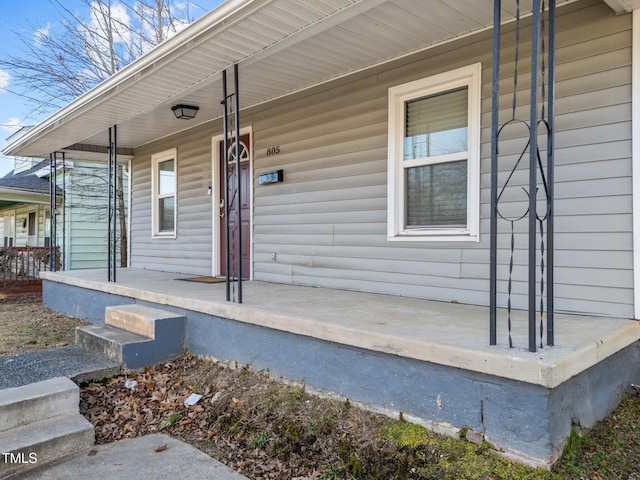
column 429, row 360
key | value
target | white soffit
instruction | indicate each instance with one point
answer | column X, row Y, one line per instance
column 623, row 6
column 281, row 46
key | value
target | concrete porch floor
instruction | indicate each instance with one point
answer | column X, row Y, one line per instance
column 453, row 335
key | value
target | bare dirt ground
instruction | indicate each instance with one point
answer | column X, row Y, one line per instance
column 268, row 430
column 26, row 325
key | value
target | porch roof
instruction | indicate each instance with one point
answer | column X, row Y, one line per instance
column 11, row 198
column 442, row 333
column 281, row 46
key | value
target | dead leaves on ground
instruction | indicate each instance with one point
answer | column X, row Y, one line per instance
column 260, row 428
column 155, row 403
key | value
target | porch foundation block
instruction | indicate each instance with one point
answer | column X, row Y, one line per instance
column 525, row 421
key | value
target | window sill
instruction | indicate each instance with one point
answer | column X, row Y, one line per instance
column 170, row 236
column 434, row 237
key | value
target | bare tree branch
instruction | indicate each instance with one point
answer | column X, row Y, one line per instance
column 53, row 69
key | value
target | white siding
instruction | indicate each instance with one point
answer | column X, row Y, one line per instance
column 21, row 214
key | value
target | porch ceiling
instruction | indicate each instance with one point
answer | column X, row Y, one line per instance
column 5, row 204
column 282, row 46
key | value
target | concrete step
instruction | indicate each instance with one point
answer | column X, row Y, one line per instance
column 149, row 322
column 114, row 343
column 43, row 441
column 135, row 335
column 37, row 401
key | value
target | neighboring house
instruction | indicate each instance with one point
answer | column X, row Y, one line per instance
column 81, row 215
column 349, row 183
column 24, row 206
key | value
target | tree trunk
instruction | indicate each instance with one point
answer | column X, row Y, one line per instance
column 124, row 254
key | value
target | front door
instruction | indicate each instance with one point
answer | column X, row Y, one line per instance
column 32, row 229
column 245, row 205
column 9, row 229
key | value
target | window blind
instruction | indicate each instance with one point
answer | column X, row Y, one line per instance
column 436, row 125
column 437, row 195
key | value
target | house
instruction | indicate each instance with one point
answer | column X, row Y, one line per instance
column 81, row 216
column 382, row 219
column 24, row 212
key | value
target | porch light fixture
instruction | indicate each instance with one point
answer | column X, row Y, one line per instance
column 185, row 112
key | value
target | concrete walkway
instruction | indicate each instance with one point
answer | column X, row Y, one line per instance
column 135, row 459
column 71, row 361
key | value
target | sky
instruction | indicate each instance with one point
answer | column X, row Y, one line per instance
column 26, row 17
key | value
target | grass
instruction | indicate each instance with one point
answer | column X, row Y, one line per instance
column 610, row 450
column 26, row 325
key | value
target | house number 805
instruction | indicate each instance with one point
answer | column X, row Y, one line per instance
column 273, row 150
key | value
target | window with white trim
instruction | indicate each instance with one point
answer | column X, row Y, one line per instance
column 163, row 191
column 434, row 157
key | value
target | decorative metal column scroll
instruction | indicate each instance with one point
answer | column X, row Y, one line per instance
column 233, row 237
column 538, row 208
column 225, row 173
column 112, row 230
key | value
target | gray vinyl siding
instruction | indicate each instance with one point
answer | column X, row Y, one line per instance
column 593, row 170
column 190, row 251
column 327, row 222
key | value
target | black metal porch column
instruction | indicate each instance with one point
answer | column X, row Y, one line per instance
column 495, row 110
column 540, row 125
column 112, row 230
column 225, row 172
column 550, row 171
column 53, row 261
column 63, row 256
column 533, row 173
column 238, row 176
column 228, row 199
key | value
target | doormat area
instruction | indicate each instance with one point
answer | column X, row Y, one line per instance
column 204, row 279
